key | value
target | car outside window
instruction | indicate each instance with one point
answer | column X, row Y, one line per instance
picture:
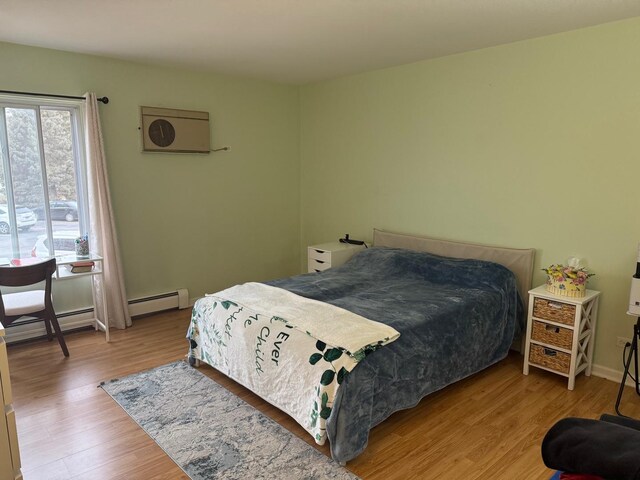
column 42, row 176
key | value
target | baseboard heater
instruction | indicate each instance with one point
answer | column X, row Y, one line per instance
column 81, row 318
column 157, row 303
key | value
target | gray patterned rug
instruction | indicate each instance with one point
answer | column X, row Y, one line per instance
column 211, row 433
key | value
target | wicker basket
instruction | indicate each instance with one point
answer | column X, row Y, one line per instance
column 552, row 335
column 550, row 358
column 555, row 311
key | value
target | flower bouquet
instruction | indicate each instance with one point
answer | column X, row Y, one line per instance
column 567, row 281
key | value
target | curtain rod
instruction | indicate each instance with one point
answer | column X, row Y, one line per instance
column 104, row 100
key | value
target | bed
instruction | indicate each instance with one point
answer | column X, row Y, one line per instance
column 342, row 350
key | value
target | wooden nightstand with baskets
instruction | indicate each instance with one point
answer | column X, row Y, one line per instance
column 560, row 333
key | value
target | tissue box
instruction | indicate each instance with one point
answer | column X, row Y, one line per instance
column 565, row 288
column 567, row 281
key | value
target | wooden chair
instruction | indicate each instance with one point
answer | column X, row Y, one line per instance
column 33, row 303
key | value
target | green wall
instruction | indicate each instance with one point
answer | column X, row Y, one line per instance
column 202, row 222
column 530, row 144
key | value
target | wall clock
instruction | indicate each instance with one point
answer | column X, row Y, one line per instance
column 174, row 131
column 161, row 132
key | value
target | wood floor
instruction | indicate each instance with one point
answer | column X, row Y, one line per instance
column 489, row 426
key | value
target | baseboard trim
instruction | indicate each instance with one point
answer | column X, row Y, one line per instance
column 156, row 303
column 75, row 319
column 610, row 374
column 67, row 320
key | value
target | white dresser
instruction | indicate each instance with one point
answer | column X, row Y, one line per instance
column 9, row 454
column 327, row 255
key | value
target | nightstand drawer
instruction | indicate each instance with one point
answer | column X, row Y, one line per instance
column 318, row 265
column 328, row 255
column 552, row 335
column 555, row 311
column 550, row 358
column 321, row 255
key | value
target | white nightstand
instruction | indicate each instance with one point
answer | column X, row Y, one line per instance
column 327, row 255
column 560, row 333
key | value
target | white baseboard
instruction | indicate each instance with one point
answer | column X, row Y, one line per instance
column 157, row 303
column 84, row 318
column 610, row 374
column 67, row 321
column 180, row 299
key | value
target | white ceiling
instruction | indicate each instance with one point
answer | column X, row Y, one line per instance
column 292, row 41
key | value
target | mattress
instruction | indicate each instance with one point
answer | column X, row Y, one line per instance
column 455, row 317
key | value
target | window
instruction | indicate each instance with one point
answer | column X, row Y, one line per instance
column 42, row 177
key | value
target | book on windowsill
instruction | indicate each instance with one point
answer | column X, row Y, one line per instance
column 80, row 267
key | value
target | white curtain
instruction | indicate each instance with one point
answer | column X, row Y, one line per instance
column 102, row 230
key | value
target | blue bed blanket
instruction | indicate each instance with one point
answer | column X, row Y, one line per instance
column 455, row 318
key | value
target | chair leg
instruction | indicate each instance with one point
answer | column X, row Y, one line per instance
column 47, row 325
column 56, row 327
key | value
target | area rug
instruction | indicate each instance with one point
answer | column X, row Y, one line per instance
column 211, row 433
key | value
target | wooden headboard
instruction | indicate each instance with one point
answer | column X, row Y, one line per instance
column 518, row 260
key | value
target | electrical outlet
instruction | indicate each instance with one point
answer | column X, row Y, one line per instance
column 621, row 342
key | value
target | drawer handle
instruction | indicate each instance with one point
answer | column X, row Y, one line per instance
column 551, row 327
column 319, row 251
column 317, row 271
column 555, row 305
column 318, row 261
column 550, row 353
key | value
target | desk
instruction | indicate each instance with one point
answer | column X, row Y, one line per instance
column 63, row 272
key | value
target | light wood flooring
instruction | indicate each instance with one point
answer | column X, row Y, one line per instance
column 488, row 426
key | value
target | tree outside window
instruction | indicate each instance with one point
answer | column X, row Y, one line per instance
column 42, row 182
